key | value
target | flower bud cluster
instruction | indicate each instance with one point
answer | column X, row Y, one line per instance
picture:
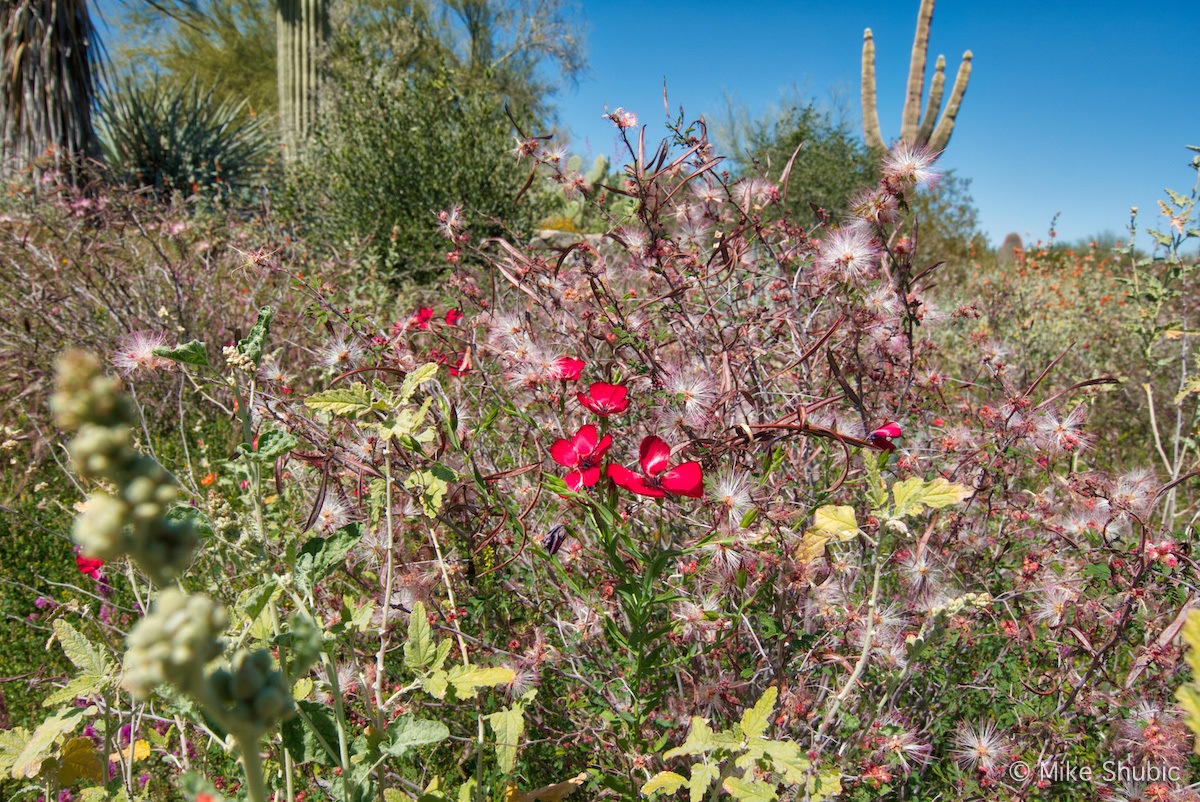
column 237, row 360
column 252, row 692
column 132, row 520
column 174, row 642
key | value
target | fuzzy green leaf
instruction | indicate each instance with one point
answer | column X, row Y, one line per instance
column 703, row 776
column 79, row 650
column 415, row 379
column 12, row 744
column 756, row 720
column 667, row 781
column 838, row 521
column 418, row 649
column 79, row 761
column 192, row 353
column 749, row 790
column 907, row 496
column 79, row 687
column 433, row 485
column 941, row 493
column 787, row 759
column 467, row 679
column 40, row 745
column 435, row 683
column 272, row 444
column 320, row 556
column 407, row 731
column 352, row 401
column 509, row 727
column 701, row 740
column 252, row 346
column 302, row 743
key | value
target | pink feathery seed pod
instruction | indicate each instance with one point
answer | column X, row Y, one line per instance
column 605, row 399
column 582, row 453
column 658, row 477
column 135, row 351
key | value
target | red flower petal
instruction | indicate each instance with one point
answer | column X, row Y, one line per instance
column 89, row 566
column 889, row 430
column 584, row 441
column 655, row 455
column 684, row 480
column 568, row 368
column 564, row 453
column 453, row 316
column 633, row 482
column 591, row 476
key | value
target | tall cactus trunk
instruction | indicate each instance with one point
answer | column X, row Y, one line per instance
column 913, row 129
column 302, row 28
column 47, row 86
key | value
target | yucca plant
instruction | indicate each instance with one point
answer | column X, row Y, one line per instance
column 49, row 69
column 181, row 138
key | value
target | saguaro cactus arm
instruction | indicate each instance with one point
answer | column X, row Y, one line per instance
column 914, row 129
column 870, row 111
column 945, row 126
column 911, row 120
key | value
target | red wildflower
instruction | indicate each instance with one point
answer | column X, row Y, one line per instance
column 88, row 566
column 421, row 319
column 606, row 399
column 453, row 316
column 583, row 453
column 881, row 438
column 657, row 477
column 568, row 368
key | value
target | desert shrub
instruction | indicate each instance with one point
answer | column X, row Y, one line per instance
column 703, row 501
column 182, row 138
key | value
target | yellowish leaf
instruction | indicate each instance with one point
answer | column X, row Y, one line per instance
column 138, row 750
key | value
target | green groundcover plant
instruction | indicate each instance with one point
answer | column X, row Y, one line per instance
column 699, row 508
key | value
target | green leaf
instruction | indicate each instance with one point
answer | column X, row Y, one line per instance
column 41, row 744
column 79, row 650
column 320, row 556
column 788, row 760
column 302, row 743
column 941, row 493
column 509, row 727
column 435, row 684
column 667, row 781
column 907, row 496
column 79, row 761
column 12, row 744
column 433, row 485
column 352, row 401
column 181, row 513
column 749, row 790
column 272, row 444
column 252, row 601
column 405, row 422
column 82, row 686
column 701, row 740
column 837, row 521
column 703, row 776
column 415, row 379
column 826, row 784
column 418, row 649
column 192, row 353
column 407, row 731
column 467, row 679
column 756, row 720
column 252, row 347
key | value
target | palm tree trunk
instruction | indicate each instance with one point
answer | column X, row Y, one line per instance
column 47, row 87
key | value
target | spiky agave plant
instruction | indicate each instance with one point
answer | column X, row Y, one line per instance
column 48, row 58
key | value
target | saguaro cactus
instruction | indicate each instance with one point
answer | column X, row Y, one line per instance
column 302, row 27
column 914, row 129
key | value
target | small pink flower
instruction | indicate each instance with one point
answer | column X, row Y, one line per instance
column 453, row 316
column 657, row 477
column 135, row 351
column 882, row 437
column 89, row 566
column 605, row 399
column 623, row 119
column 582, row 453
column 568, row 368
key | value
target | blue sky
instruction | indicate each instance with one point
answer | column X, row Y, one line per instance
column 1083, row 108
column 1078, row 108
